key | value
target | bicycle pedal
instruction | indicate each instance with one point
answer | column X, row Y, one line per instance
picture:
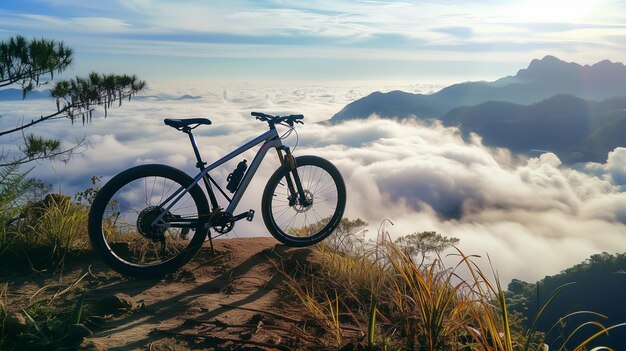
column 250, row 216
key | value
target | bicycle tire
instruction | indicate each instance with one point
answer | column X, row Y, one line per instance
column 323, row 185
column 120, row 216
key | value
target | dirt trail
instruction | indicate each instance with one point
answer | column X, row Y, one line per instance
column 225, row 301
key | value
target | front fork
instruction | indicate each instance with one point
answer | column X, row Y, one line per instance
column 296, row 191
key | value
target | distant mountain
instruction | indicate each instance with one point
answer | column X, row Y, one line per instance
column 542, row 79
column 164, row 97
column 13, row 94
column 575, row 129
column 189, row 97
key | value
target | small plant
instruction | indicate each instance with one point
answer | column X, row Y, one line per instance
column 52, row 332
column 88, row 195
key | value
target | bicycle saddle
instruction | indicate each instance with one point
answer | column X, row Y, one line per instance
column 182, row 123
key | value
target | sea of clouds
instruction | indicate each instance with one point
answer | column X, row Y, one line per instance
column 532, row 216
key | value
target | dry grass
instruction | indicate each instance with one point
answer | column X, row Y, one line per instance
column 56, row 223
column 62, row 228
column 399, row 303
column 43, row 233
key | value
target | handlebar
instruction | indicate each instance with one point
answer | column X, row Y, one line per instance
column 273, row 120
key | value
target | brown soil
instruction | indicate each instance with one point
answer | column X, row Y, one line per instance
column 231, row 300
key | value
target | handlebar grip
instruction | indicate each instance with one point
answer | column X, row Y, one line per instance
column 290, row 120
column 258, row 114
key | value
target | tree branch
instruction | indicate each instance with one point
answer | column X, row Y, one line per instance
column 67, row 153
column 20, row 76
column 33, row 122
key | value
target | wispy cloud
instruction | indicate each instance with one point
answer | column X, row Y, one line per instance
column 500, row 31
column 81, row 24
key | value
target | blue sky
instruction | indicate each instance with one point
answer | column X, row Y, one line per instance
column 330, row 41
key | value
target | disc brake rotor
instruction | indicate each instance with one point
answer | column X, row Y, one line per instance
column 309, row 198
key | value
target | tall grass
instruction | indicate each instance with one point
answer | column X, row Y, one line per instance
column 47, row 230
column 62, row 227
column 427, row 303
column 325, row 310
column 400, row 303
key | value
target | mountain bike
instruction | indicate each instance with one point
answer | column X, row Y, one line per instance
column 150, row 220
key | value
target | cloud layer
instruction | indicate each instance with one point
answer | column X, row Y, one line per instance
column 517, row 210
column 533, row 216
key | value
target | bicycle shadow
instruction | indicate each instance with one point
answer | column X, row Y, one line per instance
column 260, row 266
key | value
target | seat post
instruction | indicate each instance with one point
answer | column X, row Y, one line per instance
column 200, row 164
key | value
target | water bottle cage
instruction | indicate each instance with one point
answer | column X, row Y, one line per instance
column 233, row 182
column 234, row 178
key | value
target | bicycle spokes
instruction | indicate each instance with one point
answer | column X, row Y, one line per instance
column 135, row 216
column 305, row 211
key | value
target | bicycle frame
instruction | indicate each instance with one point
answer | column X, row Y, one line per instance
column 270, row 139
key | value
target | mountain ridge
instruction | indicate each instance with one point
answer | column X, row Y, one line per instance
column 540, row 80
column 576, row 111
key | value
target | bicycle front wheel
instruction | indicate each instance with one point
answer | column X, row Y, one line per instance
column 301, row 224
column 122, row 216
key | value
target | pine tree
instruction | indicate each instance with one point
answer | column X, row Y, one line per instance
column 32, row 63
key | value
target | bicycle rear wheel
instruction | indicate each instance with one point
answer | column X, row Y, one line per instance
column 297, row 224
column 121, row 220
